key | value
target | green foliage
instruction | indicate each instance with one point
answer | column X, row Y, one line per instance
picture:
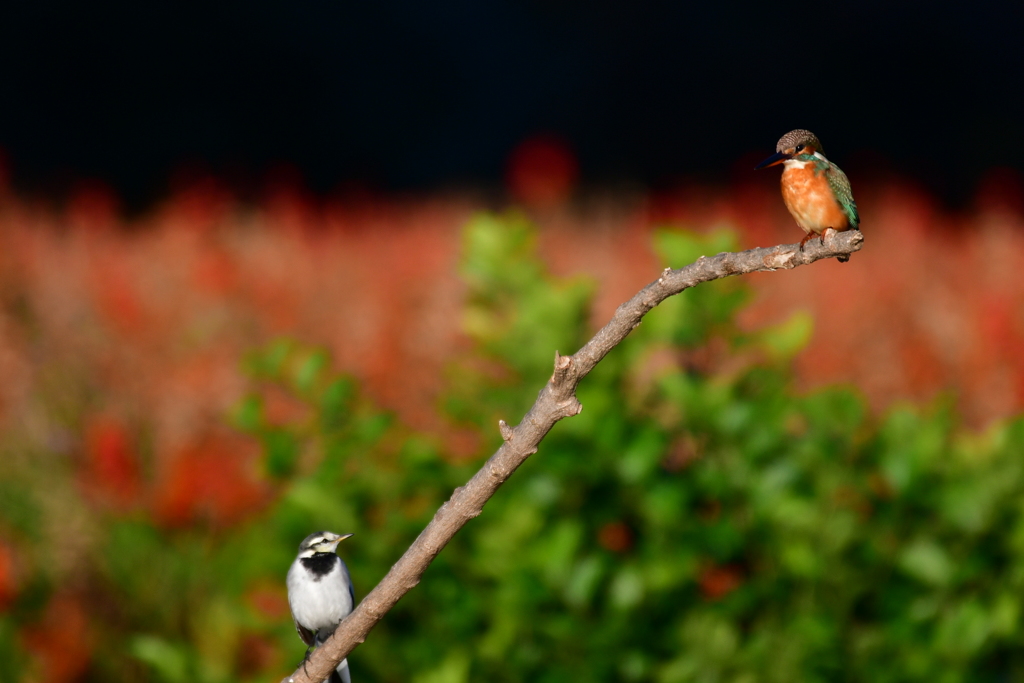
column 518, row 315
column 699, row 521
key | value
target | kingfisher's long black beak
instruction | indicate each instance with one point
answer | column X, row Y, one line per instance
column 776, row 158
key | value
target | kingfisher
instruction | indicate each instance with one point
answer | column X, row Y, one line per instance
column 817, row 193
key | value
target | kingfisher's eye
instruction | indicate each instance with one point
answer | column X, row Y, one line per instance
column 799, row 147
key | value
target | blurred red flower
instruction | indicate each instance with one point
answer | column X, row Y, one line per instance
column 542, row 171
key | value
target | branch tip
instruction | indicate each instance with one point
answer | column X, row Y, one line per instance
column 562, row 365
column 506, row 431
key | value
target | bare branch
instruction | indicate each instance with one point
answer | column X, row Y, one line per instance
column 557, row 400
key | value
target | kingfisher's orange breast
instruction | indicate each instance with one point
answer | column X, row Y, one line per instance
column 809, row 198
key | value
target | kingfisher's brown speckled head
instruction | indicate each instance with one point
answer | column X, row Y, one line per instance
column 794, row 142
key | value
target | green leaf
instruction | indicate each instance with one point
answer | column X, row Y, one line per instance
column 248, row 415
column 170, row 661
column 336, row 403
column 785, row 340
column 310, row 370
column 282, row 450
column 927, row 561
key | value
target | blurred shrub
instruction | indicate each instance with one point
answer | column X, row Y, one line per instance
column 699, row 521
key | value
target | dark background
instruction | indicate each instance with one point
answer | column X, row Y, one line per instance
column 407, row 95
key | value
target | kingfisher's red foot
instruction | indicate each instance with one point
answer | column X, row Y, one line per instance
column 812, row 235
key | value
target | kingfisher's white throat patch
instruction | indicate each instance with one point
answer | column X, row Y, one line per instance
column 798, row 164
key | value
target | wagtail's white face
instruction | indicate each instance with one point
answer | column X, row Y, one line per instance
column 320, row 542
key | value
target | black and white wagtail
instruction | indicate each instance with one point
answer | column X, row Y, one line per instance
column 320, row 593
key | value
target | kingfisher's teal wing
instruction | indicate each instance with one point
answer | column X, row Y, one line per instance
column 840, row 185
